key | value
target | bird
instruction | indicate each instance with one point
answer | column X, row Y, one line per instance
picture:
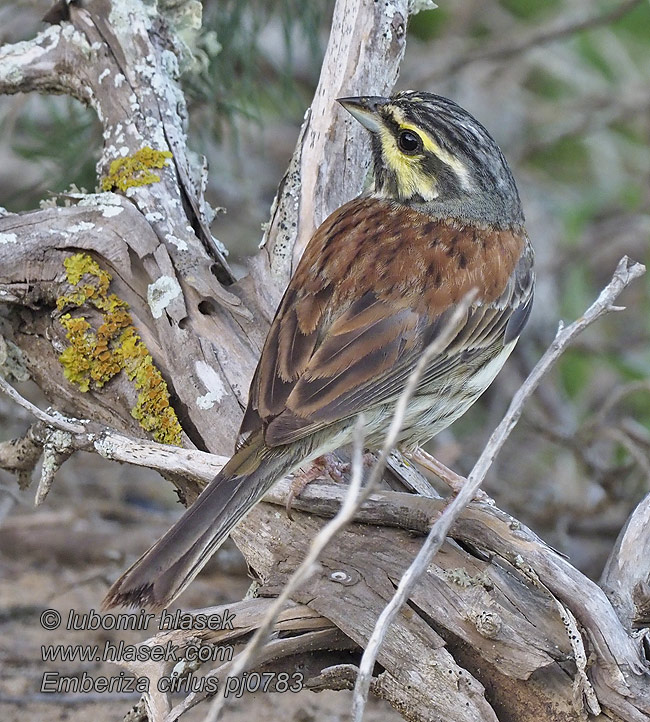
column 376, row 284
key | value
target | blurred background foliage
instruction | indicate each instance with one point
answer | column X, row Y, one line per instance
column 564, row 86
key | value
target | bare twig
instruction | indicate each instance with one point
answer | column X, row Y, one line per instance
column 363, row 55
column 59, row 437
column 56, row 422
column 555, row 31
column 625, row 273
column 195, row 465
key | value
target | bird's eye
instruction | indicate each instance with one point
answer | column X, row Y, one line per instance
column 409, row 142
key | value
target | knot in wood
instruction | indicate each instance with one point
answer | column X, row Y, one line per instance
column 342, row 577
column 488, row 624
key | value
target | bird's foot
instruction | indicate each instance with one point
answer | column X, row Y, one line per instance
column 333, row 467
column 326, row 465
column 453, row 480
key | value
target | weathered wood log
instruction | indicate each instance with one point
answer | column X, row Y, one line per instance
column 484, row 636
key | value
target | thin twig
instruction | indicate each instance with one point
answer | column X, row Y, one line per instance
column 59, row 437
column 193, row 464
column 354, row 498
column 57, row 423
column 541, row 37
column 625, row 273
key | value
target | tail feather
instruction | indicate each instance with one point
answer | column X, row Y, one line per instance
column 167, row 568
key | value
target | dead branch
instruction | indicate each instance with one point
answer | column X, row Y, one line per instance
column 52, row 436
column 62, row 424
column 555, row 31
column 626, row 577
column 482, row 635
column 363, row 56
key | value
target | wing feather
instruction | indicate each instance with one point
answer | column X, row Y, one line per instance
column 341, row 345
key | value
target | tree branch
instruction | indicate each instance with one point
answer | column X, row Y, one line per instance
column 57, row 423
column 553, row 32
column 626, row 577
column 21, row 455
column 47, row 64
column 363, row 55
column 206, row 363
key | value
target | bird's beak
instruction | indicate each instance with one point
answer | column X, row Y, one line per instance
column 366, row 110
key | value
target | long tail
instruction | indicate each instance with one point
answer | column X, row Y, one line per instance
column 167, row 568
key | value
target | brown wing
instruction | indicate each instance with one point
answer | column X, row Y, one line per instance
column 376, row 283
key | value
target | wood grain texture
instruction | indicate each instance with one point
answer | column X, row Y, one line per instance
column 465, row 600
column 479, row 638
column 32, row 273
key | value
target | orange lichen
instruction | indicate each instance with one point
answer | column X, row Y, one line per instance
column 135, row 170
column 94, row 357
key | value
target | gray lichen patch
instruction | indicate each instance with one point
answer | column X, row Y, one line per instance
column 12, row 361
column 213, row 384
column 161, row 293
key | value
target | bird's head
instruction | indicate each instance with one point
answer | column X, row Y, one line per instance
column 431, row 153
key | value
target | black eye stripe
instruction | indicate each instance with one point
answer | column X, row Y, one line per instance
column 409, row 142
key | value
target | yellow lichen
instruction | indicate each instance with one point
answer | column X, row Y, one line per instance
column 94, row 357
column 135, row 170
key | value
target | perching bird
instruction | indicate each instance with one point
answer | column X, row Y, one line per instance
column 376, row 284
